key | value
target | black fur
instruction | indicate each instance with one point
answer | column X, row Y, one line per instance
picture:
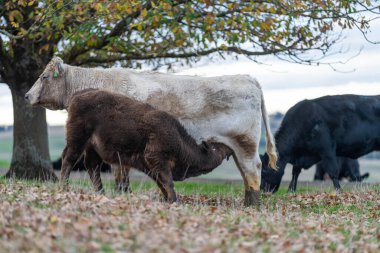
column 347, row 167
column 322, row 129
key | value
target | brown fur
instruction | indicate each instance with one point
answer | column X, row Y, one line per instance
column 246, row 144
column 218, row 102
column 122, row 131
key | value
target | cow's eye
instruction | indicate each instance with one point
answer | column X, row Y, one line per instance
column 44, row 77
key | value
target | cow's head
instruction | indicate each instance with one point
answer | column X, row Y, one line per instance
column 49, row 90
column 270, row 179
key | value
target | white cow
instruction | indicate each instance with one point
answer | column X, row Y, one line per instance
column 225, row 109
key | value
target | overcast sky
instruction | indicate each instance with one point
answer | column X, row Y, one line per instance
column 284, row 84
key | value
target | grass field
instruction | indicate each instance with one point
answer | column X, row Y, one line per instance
column 38, row 217
column 227, row 170
column 209, row 217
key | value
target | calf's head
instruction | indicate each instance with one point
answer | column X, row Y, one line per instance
column 49, row 90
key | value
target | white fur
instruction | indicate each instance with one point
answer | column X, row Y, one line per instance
column 210, row 108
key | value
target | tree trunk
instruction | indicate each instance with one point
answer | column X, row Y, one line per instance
column 30, row 159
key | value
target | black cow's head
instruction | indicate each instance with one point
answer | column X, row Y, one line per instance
column 270, row 179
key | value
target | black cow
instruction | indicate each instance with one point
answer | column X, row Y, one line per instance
column 320, row 130
column 347, row 167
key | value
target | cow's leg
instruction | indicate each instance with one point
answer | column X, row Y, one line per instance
column 93, row 163
column 293, row 183
column 121, row 174
column 250, row 170
column 331, row 166
column 247, row 159
column 353, row 170
column 319, row 173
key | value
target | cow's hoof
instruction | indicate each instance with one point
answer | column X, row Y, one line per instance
column 338, row 191
column 123, row 189
column 101, row 191
column 252, row 198
column 64, row 187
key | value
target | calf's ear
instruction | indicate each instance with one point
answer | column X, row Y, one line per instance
column 205, row 146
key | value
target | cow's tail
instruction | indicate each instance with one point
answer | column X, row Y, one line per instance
column 364, row 176
column 270, row 143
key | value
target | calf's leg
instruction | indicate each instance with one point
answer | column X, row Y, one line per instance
column 293, row 183
column 75, row 146
column 93, row 164
column 166, row 179
column 121, row 174
column 70, row 157
column 155, row 177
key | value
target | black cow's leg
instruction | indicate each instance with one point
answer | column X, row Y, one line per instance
column 331, row 166
column 93, row 164
column 293, row 184
column 353, row 170
column 319, row 173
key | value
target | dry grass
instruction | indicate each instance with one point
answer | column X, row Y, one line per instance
column 36, row 217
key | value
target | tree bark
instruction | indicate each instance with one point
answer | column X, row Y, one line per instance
column 30, row 159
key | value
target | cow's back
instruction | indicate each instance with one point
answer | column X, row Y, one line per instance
column 352, row 122
column 206, row 106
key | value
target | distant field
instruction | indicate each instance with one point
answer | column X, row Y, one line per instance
column 56, row 145
column 227, row 170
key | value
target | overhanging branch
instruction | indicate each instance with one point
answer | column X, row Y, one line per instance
column 11, row 36
column 134, row 56
column 119, row 29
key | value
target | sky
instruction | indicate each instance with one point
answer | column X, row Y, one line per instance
column 284, row 84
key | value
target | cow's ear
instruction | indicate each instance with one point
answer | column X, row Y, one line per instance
column 58, row 70
column 315, row 130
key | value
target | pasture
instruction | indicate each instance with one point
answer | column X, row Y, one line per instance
column 38, row 217
column 225, row 171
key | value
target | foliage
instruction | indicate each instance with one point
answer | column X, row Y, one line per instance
column 161, row 32
column 37, row 217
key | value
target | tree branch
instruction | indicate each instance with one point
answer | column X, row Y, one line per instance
column 11, row 36
column 134, row 56
column 118, row 30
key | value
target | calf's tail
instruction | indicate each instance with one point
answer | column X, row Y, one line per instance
column 270, row 143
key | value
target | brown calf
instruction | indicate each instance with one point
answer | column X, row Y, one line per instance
column 122, row 131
